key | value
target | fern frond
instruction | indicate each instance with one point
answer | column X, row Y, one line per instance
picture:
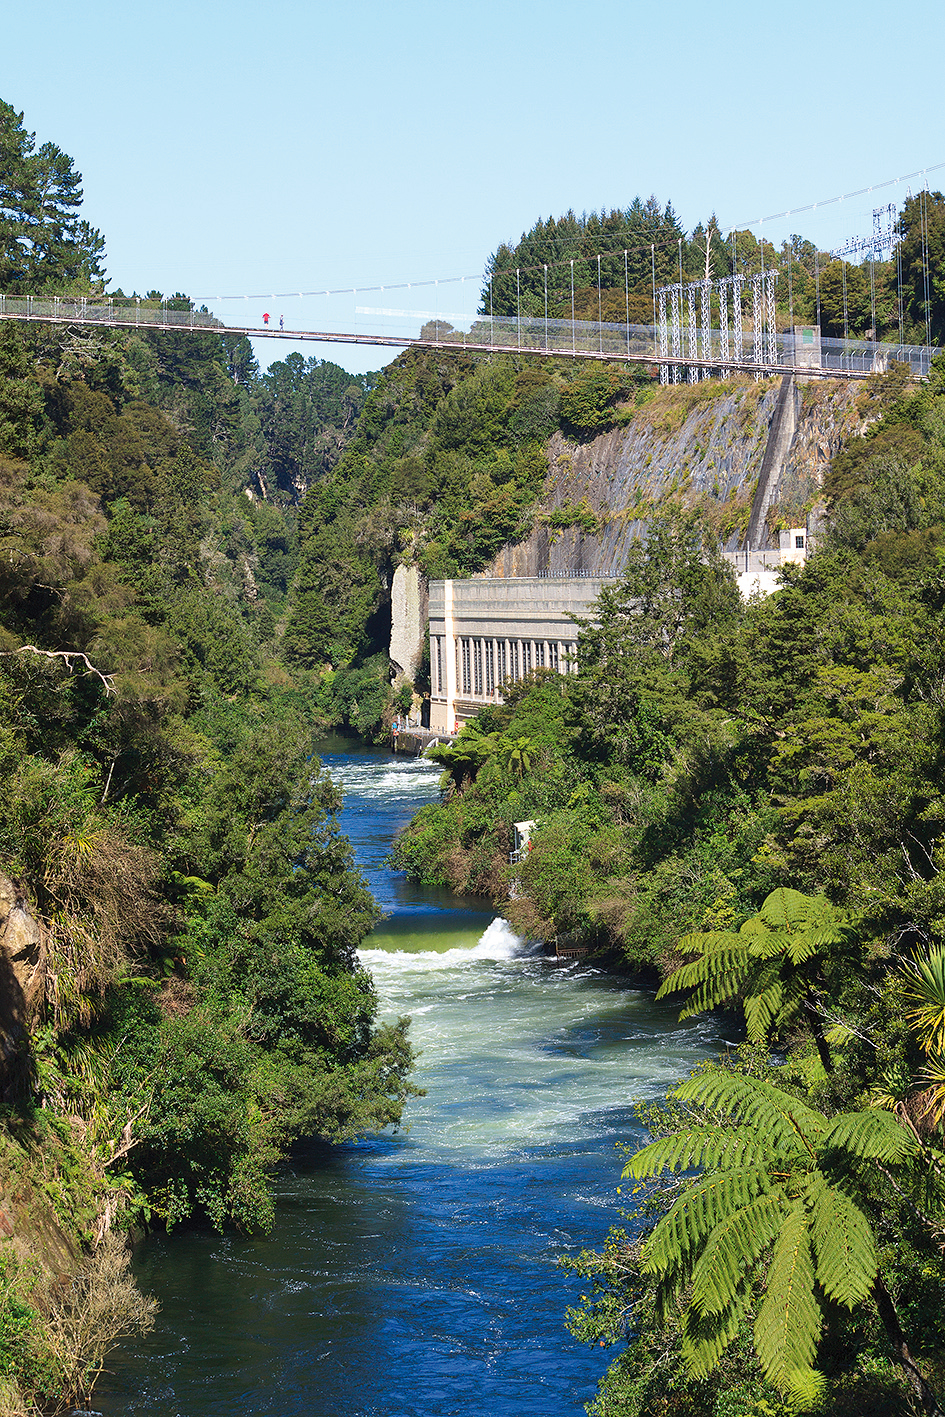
column 788, row 1323
column 872, row 1135
column 843, row 1244
column 806, row 1388
column 707, row 998
column 802, row 947
column 709, row 942
column 779, row 1122
column 679, row 1237
column 734, row 1246
column 694, row 1146
column 773, row 1006
column 723, row 971
column 785, row 909
column 767, row 944
column 705, row 1337
column 764, row 1005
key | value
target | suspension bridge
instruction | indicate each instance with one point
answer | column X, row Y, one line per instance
column 677, row 349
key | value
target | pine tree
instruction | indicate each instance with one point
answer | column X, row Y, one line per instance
column 43, row 242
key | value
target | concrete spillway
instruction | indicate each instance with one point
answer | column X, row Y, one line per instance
column 777, row 450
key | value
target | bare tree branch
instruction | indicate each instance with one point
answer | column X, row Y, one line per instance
column 68, row 655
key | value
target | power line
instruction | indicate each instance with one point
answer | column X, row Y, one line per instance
column 448, row 280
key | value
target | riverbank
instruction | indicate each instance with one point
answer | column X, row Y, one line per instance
column 415, row 1272
column 416, row 740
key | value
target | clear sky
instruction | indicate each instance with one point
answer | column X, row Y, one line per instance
column 293, row 145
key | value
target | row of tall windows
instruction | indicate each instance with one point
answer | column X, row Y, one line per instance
column 484, row 664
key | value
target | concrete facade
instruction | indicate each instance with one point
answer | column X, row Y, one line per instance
column 492, row 628
column 486, row 630
column 760, row 570
column 807, row 351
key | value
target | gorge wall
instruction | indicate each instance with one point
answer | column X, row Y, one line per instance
column 696, row 445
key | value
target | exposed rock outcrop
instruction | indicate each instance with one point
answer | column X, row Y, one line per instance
column 694, row 444
column 20, row 944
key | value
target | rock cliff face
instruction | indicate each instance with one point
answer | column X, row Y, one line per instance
column 20, row 944
column 693, row 444
column 408, row 618
column 699, row 444
column 29, row 1228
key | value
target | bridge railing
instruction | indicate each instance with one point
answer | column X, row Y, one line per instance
column 67, row 309
column 717, row 352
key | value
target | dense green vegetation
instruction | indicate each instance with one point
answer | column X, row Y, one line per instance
column 603, row 265
column 742, row 802
column 745, row 801
column 446, row 466
column 188, row 999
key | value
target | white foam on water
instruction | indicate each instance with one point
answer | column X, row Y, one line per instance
column 402, row 777
column 497, row 942
column 515, row 1052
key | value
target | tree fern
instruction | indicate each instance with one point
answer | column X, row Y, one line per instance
column 785, row 909
column 789, row 1320
column 780, row 1181
column 733, row 1247
column 843, row 1244
column 871, row 1135
column 694, row 1146
column 772, row 1117
column 773, row 962
column 706, row 1336
column 696, row 1215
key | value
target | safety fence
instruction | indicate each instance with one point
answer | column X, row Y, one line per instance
column 720, row 352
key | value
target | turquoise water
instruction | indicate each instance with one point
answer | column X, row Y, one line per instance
column 414, row 1273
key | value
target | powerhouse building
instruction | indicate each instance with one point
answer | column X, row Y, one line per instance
column 488, row 629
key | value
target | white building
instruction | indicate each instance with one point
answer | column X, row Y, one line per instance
column 760, row 570
column 488, row 629
column 485, row 630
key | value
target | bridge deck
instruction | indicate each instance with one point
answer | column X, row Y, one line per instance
column 635, row 344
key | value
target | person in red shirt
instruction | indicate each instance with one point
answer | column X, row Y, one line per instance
column 266, row 318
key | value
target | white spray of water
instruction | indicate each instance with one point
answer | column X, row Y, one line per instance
column 406, row 777
column 497, row 942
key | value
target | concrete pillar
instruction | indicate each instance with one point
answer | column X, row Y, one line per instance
column 450, row 637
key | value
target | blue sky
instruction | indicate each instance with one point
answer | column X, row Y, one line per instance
column 251, row 149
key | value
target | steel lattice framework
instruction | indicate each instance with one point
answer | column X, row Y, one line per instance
column 768, row 281
column 758, row 319
column 723, row 322
column 693, row 332
column 662, row 336
column 883, row 239
column 707, row 347
column 737, row 282
column 676, row 293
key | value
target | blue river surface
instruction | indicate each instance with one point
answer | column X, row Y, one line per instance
column 414, row 1274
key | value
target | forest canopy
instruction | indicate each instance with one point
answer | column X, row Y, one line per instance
column 739, row 804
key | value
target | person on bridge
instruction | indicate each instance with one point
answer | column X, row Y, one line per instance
column 266, row 318
column 281, row 325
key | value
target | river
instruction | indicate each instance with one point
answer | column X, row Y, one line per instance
column 413, row 1274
